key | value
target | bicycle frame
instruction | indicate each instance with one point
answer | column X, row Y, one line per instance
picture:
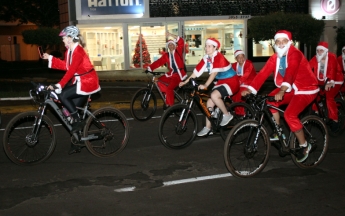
column 154, row 83
column 50, row 102
column 262, row 110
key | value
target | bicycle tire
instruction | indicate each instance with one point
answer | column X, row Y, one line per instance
column 341, row 118
column 141, row 108
column 241, row 161
column 319, row 142
column 117, row 127
column 170, row 132
column 239, row 116
column 17, row 144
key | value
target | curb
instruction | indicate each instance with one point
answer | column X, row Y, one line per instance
column 94, row 106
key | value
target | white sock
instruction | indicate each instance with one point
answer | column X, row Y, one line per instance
column 304, row 145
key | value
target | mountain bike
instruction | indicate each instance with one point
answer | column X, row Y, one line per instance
column 30, row 137
column 178, row 124
column 144, row 102
column 247, row 147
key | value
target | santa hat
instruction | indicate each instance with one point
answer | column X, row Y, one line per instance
column 322, row 45
column 238, row 52
column 214, row 42
column 283, row 34
column 171, row 42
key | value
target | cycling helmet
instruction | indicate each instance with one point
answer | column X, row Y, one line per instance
column 71, row 31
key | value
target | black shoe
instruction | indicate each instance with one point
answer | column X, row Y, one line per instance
column 78, row 126
column 334, row 126
column 165, row 107
column 74, row 149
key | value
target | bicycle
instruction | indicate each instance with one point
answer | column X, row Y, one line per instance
column 144, row 102
column 30, row 137
column 178, row 125
column 247, row 147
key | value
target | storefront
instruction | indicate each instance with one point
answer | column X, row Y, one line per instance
column 112, row 30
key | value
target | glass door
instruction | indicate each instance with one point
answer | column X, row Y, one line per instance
column 147, row 41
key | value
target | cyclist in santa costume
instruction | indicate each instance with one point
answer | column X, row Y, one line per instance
column 296, row 86
column 246, row 72
column 175, row 62
column 218, row 68
column 329, row 74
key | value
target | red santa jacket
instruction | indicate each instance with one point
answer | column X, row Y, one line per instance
column 332, row 70
column 247, row 74
column 178, row 59
column 298, row 74
column 219, row 64
column 80, row 70
column 341, row 63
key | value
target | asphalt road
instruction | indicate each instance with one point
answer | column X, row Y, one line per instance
column 148, row 179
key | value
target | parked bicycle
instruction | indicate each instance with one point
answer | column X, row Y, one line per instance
column 247, row 147
column 144, row 102
column 178, row 125
column 30, row 137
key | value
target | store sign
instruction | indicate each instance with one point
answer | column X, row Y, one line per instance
column 239, row 16
column 194, row 29
column 111, row 7
column 330, row 7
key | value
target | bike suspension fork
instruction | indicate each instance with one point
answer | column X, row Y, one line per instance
column 38, row 121
column 184, row 117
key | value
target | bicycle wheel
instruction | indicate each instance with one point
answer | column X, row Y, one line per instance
column 176, row 134
column 316, row 134
column 245, row 153
column 112, row 137
column 240, row 111
column 19, row 144
column 143, row 105
column 341, row 118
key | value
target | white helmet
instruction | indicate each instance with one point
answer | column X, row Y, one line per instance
column 71, row 31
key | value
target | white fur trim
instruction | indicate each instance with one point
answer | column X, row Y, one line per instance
column 208, row 41
column 50, row 60
column 239, row 53
column 253, row 90
column 226, row 86
column 308, row 92
column 281, row 35
column 287, row 85
column 339, row 82
column 59, row 89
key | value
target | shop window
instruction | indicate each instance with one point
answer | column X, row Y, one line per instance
column 228, row 32
column 104, row 46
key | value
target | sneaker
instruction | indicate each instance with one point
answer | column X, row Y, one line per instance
column 205, row 131
column 303, row 153
column 274, row 137
column 226, row 119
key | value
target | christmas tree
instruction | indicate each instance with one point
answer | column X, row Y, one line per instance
column 145, row 54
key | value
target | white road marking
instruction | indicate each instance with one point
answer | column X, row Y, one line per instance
column 181, row 181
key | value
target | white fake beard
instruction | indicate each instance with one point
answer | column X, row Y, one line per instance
column 343, row 56
column 319, row 57
column 282, row 51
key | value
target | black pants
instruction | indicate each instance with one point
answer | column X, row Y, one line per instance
column 70, row 99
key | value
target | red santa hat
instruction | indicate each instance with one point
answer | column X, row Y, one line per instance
column 322, row 45
column 171, row 42
column 214, row 42
column 283, row 34
column 238, row 52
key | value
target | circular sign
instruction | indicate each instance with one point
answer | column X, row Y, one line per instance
column 9, row 38
column 330, row 7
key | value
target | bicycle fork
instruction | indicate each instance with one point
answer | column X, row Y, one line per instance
column 31, row 139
